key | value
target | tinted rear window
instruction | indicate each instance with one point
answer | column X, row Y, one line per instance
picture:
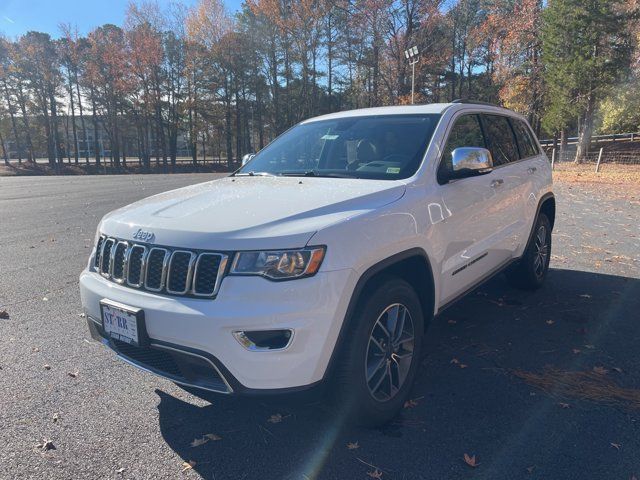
column 524, row 137
column 502, row 143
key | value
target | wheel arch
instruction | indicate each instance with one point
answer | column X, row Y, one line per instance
column 412, row 265
column 547, row 205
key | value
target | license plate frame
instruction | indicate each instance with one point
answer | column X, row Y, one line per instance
column 133, row 316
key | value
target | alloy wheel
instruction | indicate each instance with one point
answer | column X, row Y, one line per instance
column 541, row 251
column 389, row 352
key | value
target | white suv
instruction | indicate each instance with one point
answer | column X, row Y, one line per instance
column 324, row 258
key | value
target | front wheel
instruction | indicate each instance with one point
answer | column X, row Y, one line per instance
column 529, row 273
column 380, row 358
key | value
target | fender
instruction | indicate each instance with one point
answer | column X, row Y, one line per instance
column 543, row 199
column 370, row 273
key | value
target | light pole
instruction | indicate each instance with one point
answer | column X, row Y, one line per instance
column 412, row 56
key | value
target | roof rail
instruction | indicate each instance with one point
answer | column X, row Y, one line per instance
column 477, row 102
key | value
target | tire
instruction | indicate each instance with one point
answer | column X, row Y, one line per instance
column 366, row 395
column 529, row 273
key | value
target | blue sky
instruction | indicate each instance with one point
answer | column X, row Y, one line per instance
column 19, row 16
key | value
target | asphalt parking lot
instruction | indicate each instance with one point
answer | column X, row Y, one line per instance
column 486, row 387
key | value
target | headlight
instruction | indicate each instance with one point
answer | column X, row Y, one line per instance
column 279, row 264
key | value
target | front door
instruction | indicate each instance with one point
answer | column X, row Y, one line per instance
column 473, row 211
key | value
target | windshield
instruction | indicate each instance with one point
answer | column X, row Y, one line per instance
column 385, row 147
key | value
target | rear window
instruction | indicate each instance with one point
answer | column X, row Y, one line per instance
column 525, row 139
column 500, row 138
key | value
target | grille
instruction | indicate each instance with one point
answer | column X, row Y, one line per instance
column 204, row 282
column 96, row 260
column 135, row 265
column 174, row 364
column 119, row 261
column 180, row 267
column 160, row 269
column 105, row 262
column 150, row 357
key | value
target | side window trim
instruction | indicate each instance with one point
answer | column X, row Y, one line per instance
column 510, row 121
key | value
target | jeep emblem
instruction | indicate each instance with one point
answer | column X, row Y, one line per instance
column 144, row 236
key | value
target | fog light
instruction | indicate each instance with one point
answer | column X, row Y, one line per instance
column 263, row 340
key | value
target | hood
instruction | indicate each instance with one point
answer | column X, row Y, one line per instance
column 245, row 213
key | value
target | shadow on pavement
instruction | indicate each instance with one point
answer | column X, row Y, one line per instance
column 466, row 399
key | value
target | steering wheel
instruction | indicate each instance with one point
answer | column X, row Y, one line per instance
column 397, row 157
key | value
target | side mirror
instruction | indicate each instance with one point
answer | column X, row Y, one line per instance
column 470, row 161
column 247, row 157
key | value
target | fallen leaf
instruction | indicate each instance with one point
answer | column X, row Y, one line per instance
column 47, row 366
column 470, row 460
column 73, row 374
column 600, row 370
column 4, row 315
column 411, row 403
column 564, row 405
column 35, row 349
column 199, row 441
column 120, row 470
column 616, row 445
column 56, row 417
column 276, row 418
column 375, row 473
column 550, row 322
column 46, row 445
column 353, row 445
column 187, row 466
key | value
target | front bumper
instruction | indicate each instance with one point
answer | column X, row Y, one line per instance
column 201, row 330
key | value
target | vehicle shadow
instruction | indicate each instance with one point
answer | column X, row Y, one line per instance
column 466, row 399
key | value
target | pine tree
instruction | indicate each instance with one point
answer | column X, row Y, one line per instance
column 586, row 50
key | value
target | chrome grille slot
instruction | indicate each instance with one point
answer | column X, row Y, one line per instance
column 135, row 265
column 156, row 269
column 119, row 261
column 180, row 267
column 105, row 257
column 96, row 259
column 160, row 269
column 206, row 273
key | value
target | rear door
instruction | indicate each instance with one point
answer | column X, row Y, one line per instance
column 510, row 189
column 469, row 216
column 530, row 169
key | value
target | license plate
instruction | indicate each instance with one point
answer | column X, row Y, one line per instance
column 121, row 322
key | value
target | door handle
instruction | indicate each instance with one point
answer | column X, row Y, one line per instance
column 532, row 169
column 496, row 183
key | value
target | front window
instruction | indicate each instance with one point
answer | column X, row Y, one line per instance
column 385, row 147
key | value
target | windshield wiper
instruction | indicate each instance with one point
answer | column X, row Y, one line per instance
column 253, row 174
column 314, row 173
